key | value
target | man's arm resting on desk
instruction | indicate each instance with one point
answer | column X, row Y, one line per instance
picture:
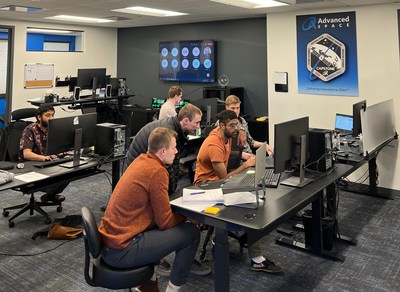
column 32, row 156
column 221, row 170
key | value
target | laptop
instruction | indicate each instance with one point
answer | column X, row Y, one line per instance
column 249, row 181
column 344, row 124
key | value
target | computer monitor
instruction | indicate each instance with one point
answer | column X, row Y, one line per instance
column 91, row 79
column 209, row 107
column 290, row 150
column 357, row 107
column 67, row 133
column 182, row 103
column 156, row 103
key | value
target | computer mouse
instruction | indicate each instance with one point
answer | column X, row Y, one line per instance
column 20, row 165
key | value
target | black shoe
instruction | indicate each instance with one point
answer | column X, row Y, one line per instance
column 266, row 266
column 52, row 198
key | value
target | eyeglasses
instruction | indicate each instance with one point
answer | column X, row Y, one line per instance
column 233, row 125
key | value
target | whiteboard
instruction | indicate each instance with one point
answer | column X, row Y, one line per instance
column 39, row 75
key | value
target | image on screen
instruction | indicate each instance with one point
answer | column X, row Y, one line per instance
column 188, row 61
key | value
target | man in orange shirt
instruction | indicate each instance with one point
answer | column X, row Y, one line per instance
column 139, row 227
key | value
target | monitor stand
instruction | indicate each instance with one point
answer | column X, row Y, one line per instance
column 77, row 151
column 301, row 180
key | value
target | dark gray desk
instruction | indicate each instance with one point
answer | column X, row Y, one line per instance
column 280, row 204
column 54, row 174
column 357, row 161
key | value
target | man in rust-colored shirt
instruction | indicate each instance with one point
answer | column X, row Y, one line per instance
column 139, row 227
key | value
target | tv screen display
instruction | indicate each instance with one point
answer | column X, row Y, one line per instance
column 188, row 61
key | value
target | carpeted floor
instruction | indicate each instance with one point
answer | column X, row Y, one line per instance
column 52, row 265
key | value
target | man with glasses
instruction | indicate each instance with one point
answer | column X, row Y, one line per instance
column 212, row 163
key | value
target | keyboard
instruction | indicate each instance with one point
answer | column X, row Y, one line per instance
column 272, row 179
column 53, row 162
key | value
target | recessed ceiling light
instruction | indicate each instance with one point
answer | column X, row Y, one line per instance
column 149, row 11
column 46, row 30
column 17, row 8
column 251, row 4
column 80, row 19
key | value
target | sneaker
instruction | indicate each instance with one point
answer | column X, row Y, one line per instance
column 150, row 286
column 266, row 266
column 199, row 269
column 52, row 198
column 163, row 269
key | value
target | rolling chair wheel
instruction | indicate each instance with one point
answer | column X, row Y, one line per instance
column 59, row 209
column 47, row 221
column 11, row 224
column 6, row 213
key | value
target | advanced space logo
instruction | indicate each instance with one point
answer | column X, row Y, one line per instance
column 327, row 54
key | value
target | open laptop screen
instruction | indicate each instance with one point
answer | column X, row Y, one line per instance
column 344, row 123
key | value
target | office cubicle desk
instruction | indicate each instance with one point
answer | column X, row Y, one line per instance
column 357, row 160
column 279, row 205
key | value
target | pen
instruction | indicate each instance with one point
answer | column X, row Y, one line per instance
column 198, row 193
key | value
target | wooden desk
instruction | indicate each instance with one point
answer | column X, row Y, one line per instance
column 280, row 204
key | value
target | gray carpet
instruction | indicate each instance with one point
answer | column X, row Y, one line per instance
column 52, row 265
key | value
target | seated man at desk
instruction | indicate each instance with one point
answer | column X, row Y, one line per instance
column 33, row 147
column 212, row 163
column 168, row 109
column 232, row 102
column 185, row 123
column 139, row 227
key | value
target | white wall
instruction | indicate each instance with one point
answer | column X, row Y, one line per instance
column 100, row 50
column 378, row 75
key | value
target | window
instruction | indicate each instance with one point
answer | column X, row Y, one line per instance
column 53, row 40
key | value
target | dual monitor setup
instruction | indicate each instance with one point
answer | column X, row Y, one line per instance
column 156, row 103
column 96, row 78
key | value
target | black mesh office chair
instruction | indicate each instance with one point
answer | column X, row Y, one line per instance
column 102, row 274
column 9, row 148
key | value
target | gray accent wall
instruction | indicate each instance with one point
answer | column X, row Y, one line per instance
column 241, row 56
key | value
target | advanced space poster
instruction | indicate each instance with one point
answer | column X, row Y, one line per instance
column 327, row 54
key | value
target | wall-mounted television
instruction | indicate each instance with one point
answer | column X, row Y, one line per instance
column 188, row 61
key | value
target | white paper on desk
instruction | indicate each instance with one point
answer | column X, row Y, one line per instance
column 31, row 176
column 197, row 207
column 200, row 195
column 237, row 198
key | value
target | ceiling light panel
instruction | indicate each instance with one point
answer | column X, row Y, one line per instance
column 80, row 19
column 251, row 4
column 149, row 11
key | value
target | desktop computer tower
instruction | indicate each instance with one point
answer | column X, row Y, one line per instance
column 320, row 150
column 110, row 140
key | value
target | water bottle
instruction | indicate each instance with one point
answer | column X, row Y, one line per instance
column 345, row 147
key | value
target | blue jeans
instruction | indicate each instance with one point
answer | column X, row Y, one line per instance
column 152, row 245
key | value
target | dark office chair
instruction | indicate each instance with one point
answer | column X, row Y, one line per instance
column 102, row 274
column 9, row 148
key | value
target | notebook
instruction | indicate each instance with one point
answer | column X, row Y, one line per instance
column 344, row 124
column 251, row 179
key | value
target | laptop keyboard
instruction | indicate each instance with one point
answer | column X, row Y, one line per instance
column 248, row 180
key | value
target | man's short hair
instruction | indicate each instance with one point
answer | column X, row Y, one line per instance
column 174, row 90
column 225, row 116
column 232, row 99
column 159, row 138
column 44, row 108
column 189, row 111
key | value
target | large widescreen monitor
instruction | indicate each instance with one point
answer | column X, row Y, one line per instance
column 290, row 150
column 71, row 133
column 92, row 78
column 188, row 61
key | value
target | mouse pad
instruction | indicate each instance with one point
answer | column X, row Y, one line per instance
column 6, row 165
